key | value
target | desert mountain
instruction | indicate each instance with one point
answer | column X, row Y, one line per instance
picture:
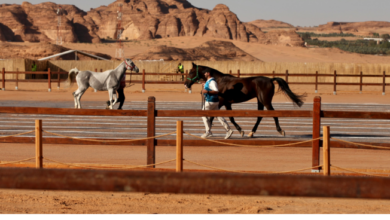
column 142, row 19
column 270, row 24
column 40, row 50
column 211, row 50
column 357, row 28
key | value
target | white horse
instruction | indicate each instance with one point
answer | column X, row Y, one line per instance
column 105, row 81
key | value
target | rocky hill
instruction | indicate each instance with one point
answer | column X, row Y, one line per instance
column 211, row 50
column 270, row 24
column 142, row 19
column 358, row 28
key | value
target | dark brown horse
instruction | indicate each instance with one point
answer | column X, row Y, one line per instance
column 235, row 90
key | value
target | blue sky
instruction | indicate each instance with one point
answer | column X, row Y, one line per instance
column 295, row 12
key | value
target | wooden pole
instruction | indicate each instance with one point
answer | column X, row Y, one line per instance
column 151, row 131
column 17, row 79
column 49, row 78
column 239, row 74
column 101, row 70
column 95, row 69
column 38, row 144
column 143, row 80
column 361, row 82
column 316, row 133
column 230, row 72
column 3, row 78
column 326, row 150
column 59, row 79
column 316, row 91
column 273, row 74
column 334, row 83
column 179, row 146
column 384, row 83
column 287, row 76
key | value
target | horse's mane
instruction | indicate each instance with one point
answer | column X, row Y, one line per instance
column 216, row 71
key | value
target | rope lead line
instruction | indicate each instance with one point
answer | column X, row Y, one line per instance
column 15, row 135
column 282, row 145
column 119, row 141
column 111, row 167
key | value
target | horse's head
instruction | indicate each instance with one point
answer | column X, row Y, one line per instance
column 131, row 66
column 195, row 75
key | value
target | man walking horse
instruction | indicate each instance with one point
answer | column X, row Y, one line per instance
column 236, row 90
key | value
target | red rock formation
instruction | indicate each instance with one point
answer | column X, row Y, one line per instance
column 357, row 28
column 270, row 24
column 142, row 19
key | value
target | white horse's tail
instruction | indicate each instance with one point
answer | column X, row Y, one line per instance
column 72, row 75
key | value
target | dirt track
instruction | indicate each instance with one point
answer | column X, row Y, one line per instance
column 17, row 201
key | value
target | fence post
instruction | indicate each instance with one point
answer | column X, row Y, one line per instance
column 287, row 76
column 179, row 146
column 151, row 131
column 95, row 69
column 316, row 133
column 230, row 72
column 59, row 79
column 273, row 74
column 3, row 79
column 49, row 78
column 361, row 82
column 17, row 78
column 101, row 70
column 143, row 81
column 38, row 144
column 239, row 74
column 326, row 150
column 384, row 83
column 334, row 83
column 316, row 82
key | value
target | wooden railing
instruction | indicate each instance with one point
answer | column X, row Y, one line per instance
column 285, row 75
column 151, row 113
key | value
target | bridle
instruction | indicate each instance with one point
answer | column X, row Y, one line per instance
column 196, row 78
column 129, row 67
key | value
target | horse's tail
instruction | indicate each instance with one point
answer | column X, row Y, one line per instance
column 283, row 86
column 71, row 76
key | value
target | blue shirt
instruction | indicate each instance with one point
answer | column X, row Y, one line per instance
column 209, row 97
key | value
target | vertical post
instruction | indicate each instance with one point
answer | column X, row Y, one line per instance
column 17, row 78
column 151, row 131
column 38, row 144
column 287, row 76
column 361, row 82
column 334, row 83
column 316, row 133
column 384, row 83
column 230, row 72
column 59, row 79
column 3, row 78
column 95, row 69
column 179, row 146
column 316, row 91
column 49, row 78
column 239, row 74
column 273, row 74
column 326, row 150
column 101, row 70
column 143, row 80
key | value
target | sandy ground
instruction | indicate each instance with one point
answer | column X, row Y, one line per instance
column 21, row 201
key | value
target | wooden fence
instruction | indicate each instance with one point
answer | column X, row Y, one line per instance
column 151, row 113
column 179, row 79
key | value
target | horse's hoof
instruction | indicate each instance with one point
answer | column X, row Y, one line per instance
column 282, row 132
column 251, row 134
column 242, row 133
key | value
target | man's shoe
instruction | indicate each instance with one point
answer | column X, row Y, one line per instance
column 228, row 134
column 207, row 135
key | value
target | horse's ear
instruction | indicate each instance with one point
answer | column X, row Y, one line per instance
column 193, row 65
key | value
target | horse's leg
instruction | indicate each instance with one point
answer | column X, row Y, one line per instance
column 229, row 107
column 271, row 108
column 260, row 107
column 79, row 97
column 110, row 96
column 76, row 95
